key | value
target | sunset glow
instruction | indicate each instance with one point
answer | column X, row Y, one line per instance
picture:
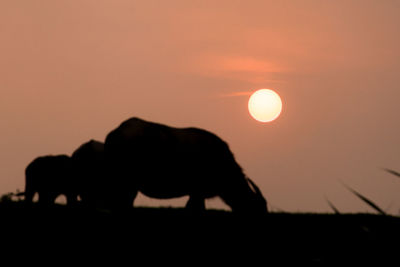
column 72, row 71
column 265, row 105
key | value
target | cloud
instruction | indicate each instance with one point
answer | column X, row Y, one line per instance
column 243, row 68
column 245, row 64
column 233, row 94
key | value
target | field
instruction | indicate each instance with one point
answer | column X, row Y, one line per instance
column 173, row 232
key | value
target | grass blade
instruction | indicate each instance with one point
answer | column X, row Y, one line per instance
column 366, row 200
column 335, row 210
column 392, row 172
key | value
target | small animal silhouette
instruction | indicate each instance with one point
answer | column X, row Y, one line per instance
column 50, row 176
column 90, row 172
column 167, row 162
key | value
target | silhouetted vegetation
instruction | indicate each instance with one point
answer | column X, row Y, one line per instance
column 393, row 172
column 333, row 207
column 366, row 200
column 282, row 237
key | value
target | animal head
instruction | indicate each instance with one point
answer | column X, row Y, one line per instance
column 248, row 199
column 257, row 202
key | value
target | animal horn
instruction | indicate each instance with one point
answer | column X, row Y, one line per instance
column 258, row 195
column 255, row 187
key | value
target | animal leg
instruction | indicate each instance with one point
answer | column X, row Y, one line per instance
column 29, row 196
column 122, row 201
column 46, row 199
column 128, row 199
column 196, row 203
column 72, row 199
column 133, row 196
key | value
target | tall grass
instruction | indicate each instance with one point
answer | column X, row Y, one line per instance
column 366, row 200
column 392, row 172
column 335, row 210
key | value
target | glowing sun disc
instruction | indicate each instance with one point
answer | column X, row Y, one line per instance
column 265, row 105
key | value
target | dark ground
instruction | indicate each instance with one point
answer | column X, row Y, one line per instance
column 172, row 235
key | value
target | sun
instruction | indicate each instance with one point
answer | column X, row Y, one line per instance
column 265, row 105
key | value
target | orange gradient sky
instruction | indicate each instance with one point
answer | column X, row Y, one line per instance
column 73, row 70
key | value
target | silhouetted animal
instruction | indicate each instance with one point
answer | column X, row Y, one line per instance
column 50, row 176
column 166, row 162
column 89, row 169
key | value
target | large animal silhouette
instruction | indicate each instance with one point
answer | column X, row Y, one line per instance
column 90, row 172
column 50, row 176
column 166, row 162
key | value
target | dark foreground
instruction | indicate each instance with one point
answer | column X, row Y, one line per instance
column 171, row 235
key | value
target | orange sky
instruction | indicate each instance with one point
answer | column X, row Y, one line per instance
column 73, row 70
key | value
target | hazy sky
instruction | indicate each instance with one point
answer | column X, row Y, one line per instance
column 73, row 70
